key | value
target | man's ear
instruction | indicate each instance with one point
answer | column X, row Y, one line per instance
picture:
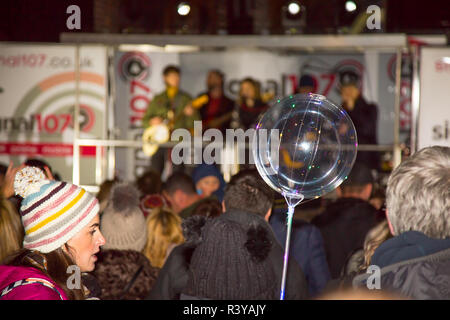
column 389, row 223
column 267, row 216
column 367, row 191
column 223, row 206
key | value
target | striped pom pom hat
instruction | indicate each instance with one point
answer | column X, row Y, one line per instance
column 52, row 212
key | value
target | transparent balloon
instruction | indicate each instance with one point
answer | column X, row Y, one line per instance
column 304, row 146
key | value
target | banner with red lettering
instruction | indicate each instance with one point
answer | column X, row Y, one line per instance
column 37, row 99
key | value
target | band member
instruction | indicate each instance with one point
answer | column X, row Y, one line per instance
column 250, row 105
column 171, row 107
column 217, row 109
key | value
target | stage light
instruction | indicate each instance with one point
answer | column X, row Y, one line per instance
column 293, row 8
column 183, row 9
column 350, row 6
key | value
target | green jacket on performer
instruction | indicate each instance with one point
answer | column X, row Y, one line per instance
column 162, row 104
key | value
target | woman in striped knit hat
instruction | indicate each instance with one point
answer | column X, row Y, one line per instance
column 62, row 238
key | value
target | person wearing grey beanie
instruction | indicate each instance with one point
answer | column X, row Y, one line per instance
column 123, row 271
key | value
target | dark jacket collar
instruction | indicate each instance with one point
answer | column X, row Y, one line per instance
column 406, row 246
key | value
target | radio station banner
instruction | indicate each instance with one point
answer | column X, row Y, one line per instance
column 138, row 78
column 37, row 99
column 434, row 111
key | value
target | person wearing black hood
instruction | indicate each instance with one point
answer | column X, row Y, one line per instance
column 346, row 221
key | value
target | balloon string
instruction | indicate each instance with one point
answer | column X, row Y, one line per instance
column 290, row 214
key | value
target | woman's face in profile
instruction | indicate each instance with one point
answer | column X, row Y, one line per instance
column 84, row 246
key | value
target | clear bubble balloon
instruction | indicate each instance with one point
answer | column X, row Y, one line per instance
column 304, row 146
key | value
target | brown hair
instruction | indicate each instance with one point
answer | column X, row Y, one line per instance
column 11, row 229
column 209, row 208
column 256, row 86
column 53, row 264
column 164, row 229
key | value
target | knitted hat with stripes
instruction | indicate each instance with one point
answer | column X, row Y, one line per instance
column 52, row 212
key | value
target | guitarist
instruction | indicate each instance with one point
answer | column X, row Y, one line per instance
column 172, row 106
column 216, row 110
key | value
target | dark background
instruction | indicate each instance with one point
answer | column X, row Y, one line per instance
column 44, row 20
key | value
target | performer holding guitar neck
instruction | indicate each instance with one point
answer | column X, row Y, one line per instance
column 172, row 107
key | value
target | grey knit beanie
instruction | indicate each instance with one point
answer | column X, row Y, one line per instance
column 230, row 263
column 123, row 223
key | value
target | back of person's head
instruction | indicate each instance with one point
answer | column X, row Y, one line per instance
column 418, row 193
column 11, row 229
column 208, row 208
column 230, row 263
column 248, row 192
column 41, row 164
column 179, row 181
column 149, row 183
column 171, row 69
column 357, row 182
column 123, row 223
column 164, row 230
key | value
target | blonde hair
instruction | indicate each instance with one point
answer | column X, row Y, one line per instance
column 376, row 236
column 11, row 229
column 164, row 230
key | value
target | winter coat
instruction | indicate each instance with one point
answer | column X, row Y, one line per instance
column 307, row 248
column 344, row 225
column 412, row 265
column 115, row 269
column 174, row 275
column 46, row 290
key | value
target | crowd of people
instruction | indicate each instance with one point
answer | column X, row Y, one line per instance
column 194, row 236
column 197, row 237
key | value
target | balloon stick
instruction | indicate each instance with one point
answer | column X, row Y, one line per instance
column 290, row 214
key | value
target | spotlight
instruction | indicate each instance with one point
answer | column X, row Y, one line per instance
column 183, row 9
column 350, row 6
column 293, row 8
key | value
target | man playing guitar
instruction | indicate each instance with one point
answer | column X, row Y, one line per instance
column 171, row 107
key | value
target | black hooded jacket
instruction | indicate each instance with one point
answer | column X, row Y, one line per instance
column 344, row 225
